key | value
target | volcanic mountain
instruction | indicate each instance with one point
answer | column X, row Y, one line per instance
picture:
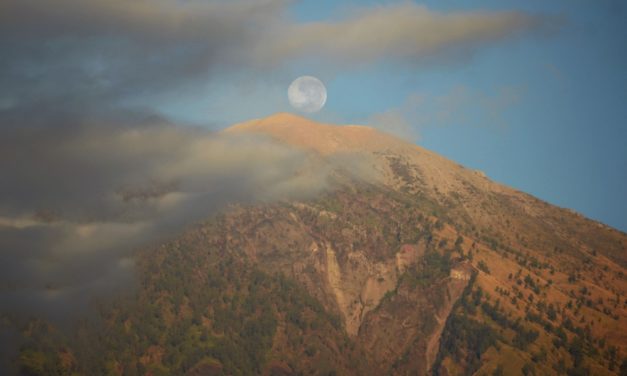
column 406, row 263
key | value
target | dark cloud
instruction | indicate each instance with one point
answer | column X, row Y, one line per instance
column 80, row 194
column 156, row 21
column 87, row 53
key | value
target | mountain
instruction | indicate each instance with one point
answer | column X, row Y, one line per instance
column 406, row 263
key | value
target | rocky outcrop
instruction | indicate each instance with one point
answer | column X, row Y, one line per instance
column 359, row 286
column 403, row 333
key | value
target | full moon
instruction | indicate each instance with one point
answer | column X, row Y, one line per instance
column 307, row 94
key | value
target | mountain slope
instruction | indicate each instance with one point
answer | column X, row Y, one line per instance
column 417, row 266
column 411, row 168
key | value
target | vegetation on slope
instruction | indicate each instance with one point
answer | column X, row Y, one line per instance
column 226, row 317
column 243, row 294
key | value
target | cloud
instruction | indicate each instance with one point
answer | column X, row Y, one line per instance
column 150, row 21
column 460, row 106
column 404, row 31
column 85, row 53
column 90, row 53
column 394, row 121
column 80, row 195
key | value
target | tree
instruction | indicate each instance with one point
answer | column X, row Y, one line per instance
column 527, row 369
column 499, row 371
column 483, row 267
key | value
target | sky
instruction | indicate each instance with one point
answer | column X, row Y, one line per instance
column 109, row 111
column 542, row 109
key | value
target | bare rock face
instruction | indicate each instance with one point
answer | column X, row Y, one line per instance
column 359, row 286
column 403, row 333
column 408, row 255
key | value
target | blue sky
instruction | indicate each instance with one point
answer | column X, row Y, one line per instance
column 564, row 139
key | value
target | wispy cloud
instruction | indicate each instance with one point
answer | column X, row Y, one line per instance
column 78, row 196
column 460, row 106
column 75, row 52
column 404, row 31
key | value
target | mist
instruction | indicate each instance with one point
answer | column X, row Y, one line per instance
column 80, row 194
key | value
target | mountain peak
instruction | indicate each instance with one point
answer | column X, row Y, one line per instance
column 323, row 138
column 286, row 117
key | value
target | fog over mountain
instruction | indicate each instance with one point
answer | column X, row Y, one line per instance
column 81, row 195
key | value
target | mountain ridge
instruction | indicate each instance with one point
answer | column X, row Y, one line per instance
column 294, row 129
column 321, row 137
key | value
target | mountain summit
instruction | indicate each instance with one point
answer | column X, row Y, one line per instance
column 429, row 269
column 323, row 138
column 392, row 153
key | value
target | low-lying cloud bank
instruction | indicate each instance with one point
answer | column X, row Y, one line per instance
column 78, row 197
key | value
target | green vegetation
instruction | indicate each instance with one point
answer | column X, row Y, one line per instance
column 430, row 268
column 464, row 338
column 214, row 301
column 35, row 357
column 483, row 267
column 178, row 323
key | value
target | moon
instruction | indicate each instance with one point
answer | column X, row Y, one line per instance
column 307, row 94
